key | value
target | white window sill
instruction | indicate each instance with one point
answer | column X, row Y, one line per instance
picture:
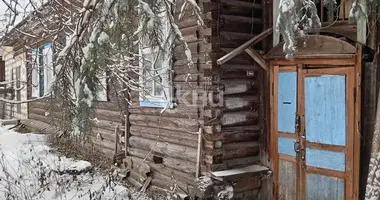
column 156, row 104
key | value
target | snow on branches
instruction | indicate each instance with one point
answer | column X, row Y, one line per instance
column 295, row 21
column 107, row 41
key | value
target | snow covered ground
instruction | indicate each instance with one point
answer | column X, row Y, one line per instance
column 30, row 170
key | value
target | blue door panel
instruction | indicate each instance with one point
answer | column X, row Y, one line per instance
column 286, row 146
column 326, row 159
column 325, row 109
column 287, row 101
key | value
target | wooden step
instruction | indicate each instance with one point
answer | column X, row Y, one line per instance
column 251, row 169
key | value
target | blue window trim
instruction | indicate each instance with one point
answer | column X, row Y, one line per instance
column 156, row 104
column 48, row 45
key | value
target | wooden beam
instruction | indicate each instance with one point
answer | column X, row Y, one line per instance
column 199, row 152
column 257, row 57
column 242, row 48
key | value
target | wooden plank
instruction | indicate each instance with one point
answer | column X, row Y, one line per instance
column 350, row 99
column 199, row 152
column 244, row 46
column 273, row 139
column 301, row 127
column 257, row 57
column 320, row 56
column 287, row 135
column 324, row 172
column 357, row 121
column 240, row 171
column 316, row 45
column 317, row 62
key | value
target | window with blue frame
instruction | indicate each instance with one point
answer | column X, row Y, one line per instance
column 42, row 70
column 155, row 67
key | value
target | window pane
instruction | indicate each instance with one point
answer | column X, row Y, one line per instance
column 147, row 72
column 159, row 71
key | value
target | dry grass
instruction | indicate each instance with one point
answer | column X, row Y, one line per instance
column 76, row 150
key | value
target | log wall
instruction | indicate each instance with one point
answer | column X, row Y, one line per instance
column 108, row 115
column 168, row 141
column 234, row 139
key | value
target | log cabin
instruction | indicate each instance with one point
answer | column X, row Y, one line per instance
column 243, row 117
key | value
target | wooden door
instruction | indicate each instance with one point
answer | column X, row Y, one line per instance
column 313, row 132
column 326, row 136
column 286, row 137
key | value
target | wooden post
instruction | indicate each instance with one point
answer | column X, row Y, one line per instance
column 126, row 125
column 199, row 152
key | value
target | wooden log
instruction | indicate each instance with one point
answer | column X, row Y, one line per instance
column 183, row 112
column 240, row 103
column 177, row 175
column 240, row 136
column 168, row 182
column 171, row 150
column 163, row 138
column 104, row 133
column 109, row 115
column 161, row 132
column 239, row 118
column 107, row 125
column 238, row 86
column 235, row 163
column 106, row 105
column 170, row 123
column 104, row 144
column 165, row 168
column 240, row 150
column 106, row 151
column 40, row 118
column 141, row 167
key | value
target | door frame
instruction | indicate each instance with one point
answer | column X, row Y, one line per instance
column 322, row 61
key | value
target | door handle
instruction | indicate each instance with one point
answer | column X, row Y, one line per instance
column 296, row 147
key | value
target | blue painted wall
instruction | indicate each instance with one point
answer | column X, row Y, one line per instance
column 287, row 101
column 325, row 109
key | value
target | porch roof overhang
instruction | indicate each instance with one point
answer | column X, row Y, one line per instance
column 247, row 47
column 316, row 46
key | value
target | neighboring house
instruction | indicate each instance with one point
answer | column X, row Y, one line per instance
column 15, row 71
column 235, row 117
